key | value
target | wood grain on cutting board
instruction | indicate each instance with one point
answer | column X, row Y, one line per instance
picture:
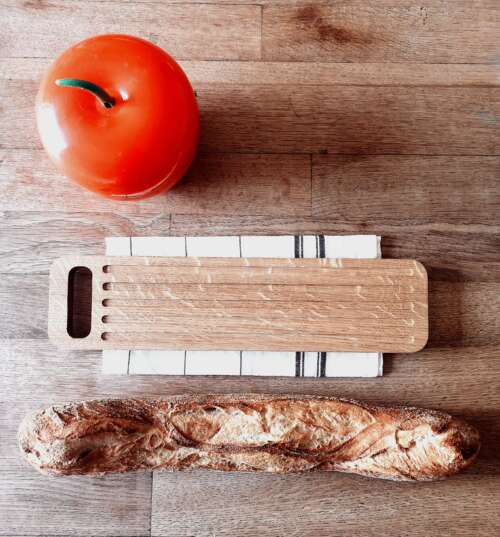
column 359, row 305
column 342, row 116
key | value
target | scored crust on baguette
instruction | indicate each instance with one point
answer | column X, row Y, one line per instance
column 247, row 432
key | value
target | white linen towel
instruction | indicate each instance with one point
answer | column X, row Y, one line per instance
column 286, row 364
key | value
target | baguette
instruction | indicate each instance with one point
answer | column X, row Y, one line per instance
column 247, row 432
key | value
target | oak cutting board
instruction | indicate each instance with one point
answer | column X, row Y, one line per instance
column 366, row 305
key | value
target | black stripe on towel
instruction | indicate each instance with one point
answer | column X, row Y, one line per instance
column 321, row 240
column 297, row 246
column 297, row 363
column 322, row 365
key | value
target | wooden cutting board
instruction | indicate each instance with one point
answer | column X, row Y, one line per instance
column 361, row 305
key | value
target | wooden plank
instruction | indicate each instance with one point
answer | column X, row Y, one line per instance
column 385, row 3
column 182, row 30
column 338, row 74
column 246, row 184
column 141, row 295
column 350, row 119
column 218, row 325
column 297, row 311
column 265, row 339
column 216, row 184
column 261, row 225
column 226, row 505
column 460, row 256
column 398, row 325
column 311, row 119
column 19, row 115
column 372, row 31
column 157, row 264
column 342, row 275
column 416, row 189
column 254, row 73
column 77, row 506
column 24, row 306
column 453, row 310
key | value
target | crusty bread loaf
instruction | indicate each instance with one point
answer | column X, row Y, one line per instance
column 248, row 432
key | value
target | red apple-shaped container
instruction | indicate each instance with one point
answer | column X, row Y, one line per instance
column 118, row 115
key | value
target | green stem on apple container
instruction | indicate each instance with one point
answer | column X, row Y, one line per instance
column 105, row 99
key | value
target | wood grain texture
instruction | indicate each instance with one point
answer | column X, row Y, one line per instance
column 371, row 31
column 384, row 189
column 386, row 303
column 300, row 73
column 260, row 184
column 70, row 505
column 382, row 3
column 312, row 225
column 449, row 256
column 30, row 241
column 223, row 504
column 352, row 120
column 254, row 73
column 249, row 72
column 180, row 29
column 333, row 74
column 279, row 118
column 24, row 306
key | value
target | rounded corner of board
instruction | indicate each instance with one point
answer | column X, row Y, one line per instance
column 420, row 342
column 421, row 270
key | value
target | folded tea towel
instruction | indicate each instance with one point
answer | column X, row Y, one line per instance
column 286, row 364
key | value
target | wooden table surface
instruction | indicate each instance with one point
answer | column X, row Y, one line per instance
column 347, row 116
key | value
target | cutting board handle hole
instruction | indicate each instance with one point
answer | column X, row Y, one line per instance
column 79, row 322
